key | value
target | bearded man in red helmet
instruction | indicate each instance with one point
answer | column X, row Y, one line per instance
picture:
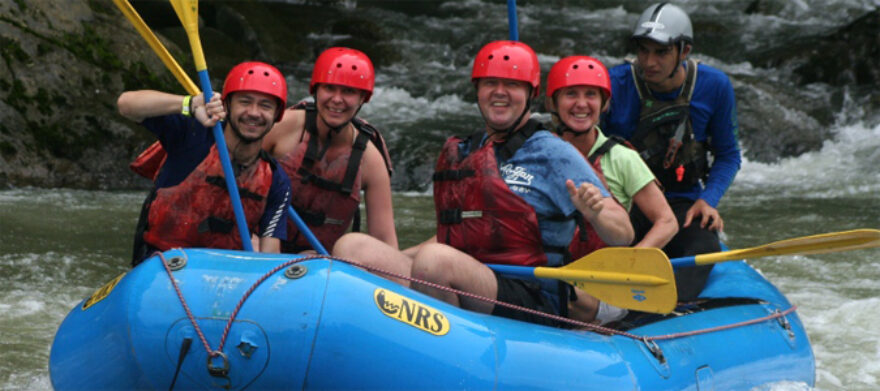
column 331, row 155
column 189, row 205
column 508, row 194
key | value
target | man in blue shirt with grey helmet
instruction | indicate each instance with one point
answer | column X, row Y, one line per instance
column 677, row 112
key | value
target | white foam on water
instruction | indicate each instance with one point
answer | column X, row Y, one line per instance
column 846, row 343
column 783, row 386
column 846, row 165
column 399, row 103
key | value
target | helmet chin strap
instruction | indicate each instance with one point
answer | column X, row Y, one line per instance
column 513, row 127
column 337, row 129
column 677, row 59
column 243, row 139
column 641, row 72
column 562, row 127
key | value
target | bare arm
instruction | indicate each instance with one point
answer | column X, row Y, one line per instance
column 377, row 194
column 607, row 217
column 142, row 104
column 652, row 203
column 269, row 245
column 285, row 134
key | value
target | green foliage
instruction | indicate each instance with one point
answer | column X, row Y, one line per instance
column 92, row 47
column 10, row 50
column 101, row 7
column 55, row 140
column 18, row 97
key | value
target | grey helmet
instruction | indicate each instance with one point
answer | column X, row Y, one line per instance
column 664, row 23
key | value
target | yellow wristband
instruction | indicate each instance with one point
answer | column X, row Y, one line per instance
column 186, row 109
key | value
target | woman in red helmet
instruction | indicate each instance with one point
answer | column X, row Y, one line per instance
column 189, row 205
column 578, row 91
column 331, row 155
column 506, row 194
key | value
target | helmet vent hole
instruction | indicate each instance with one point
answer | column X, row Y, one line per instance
column 339, row 65
column 266, row 74
column 506, row 57
column 354, row 67
column 250, row 72
column 590, row 66
column 491, row 56
column 575, row 66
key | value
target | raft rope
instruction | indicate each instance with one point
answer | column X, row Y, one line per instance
column 589, row 326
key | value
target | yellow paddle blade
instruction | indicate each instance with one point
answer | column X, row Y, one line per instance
column 188, row 12
column 180, row 9
column 131, row 14
column 815, row 244
column 635, row 278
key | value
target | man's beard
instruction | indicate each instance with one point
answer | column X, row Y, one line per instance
column 247, row 139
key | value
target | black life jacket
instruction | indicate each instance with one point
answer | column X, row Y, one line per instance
column 665, row 137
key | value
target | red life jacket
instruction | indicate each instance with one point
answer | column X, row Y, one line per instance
column 586, row 239
column 326, row 194
column 477, row 212
column 148, row 163
column 197, row 211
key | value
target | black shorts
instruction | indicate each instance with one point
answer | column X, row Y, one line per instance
column 692, row 240
column 524, row 294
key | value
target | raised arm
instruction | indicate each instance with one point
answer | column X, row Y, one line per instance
column 142, row 104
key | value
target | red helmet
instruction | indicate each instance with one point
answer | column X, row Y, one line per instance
column 345, row 67
column 508, row 60
column 578, row 71
column 257, row 77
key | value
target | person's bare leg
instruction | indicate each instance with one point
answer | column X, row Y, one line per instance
column 444, row 265
column 584, row 308
column 373, row 252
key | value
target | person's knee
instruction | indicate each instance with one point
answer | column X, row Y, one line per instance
column 432, row 262
column 352, row 244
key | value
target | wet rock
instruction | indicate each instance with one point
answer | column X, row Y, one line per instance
column 63, row 65
column 848, row 56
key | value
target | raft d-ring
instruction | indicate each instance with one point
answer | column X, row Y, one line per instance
column 176, row 263
column 654, row 349
column 784, row 323
column 221, row 371
column 296, row 271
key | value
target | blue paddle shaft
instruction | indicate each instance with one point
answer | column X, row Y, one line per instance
column 231, row 186
column 304, row 229
column 511, row 20
column 684, row 261
column 510, row 270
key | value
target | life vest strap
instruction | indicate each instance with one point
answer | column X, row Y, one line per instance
column 216, row 224
column 217, row 180
column 452, row 175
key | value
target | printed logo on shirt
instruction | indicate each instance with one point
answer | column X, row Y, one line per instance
column 516, row 175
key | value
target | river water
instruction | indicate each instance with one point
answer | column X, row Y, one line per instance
column 58, row 245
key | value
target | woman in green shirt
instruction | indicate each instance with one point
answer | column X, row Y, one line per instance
column 578, row 91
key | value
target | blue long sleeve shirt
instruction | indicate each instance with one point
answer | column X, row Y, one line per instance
column 713, row 117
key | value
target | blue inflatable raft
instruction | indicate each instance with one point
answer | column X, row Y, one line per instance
column 325, row 324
